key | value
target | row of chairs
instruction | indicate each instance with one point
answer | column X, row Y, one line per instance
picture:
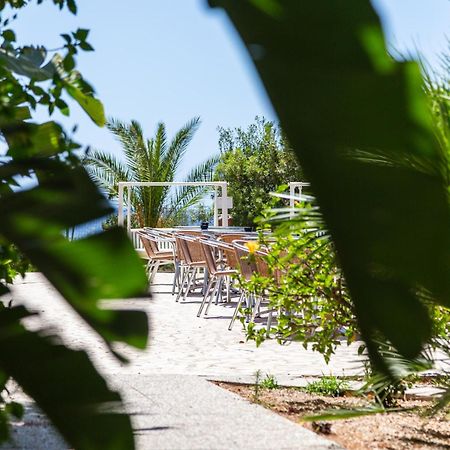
column 212, row 264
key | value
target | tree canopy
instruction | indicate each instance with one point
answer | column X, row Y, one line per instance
column 254, row 161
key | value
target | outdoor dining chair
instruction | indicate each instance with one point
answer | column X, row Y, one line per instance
column 156, row 257
column 191, row 259
column 217, row 275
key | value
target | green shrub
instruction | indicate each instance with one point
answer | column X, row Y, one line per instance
column 327, row 385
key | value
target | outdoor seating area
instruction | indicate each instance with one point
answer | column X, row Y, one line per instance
column 209, row 266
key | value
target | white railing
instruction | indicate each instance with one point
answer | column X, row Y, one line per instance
column 223, row 202
column 137, row 243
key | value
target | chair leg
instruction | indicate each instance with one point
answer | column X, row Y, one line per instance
column 205, row 280
column 154, row 271
column 190, row 280
column 256, row 308
column 230, row 326
column 207, row 294
column 183, row 281
column 176, row 277
column 214, row 294
column 219, row 291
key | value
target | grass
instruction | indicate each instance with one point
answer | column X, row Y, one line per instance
column 269, row 382
column 327, row 385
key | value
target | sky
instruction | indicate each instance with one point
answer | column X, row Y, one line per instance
column 171, row 60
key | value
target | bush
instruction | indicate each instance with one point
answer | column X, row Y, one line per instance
column 254, row 162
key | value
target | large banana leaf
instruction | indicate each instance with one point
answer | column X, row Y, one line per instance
column 359, row 124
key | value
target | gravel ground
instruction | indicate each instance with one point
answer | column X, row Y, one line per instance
column 402, row 430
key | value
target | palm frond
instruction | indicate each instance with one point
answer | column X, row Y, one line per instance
column 203, row 171
column 133, row 144
column 186, row 196
column 106, row 171
column 171, row 159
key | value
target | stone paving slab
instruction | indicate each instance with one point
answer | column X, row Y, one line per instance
column 181, row 343
column 185, row 412
column 172, row 412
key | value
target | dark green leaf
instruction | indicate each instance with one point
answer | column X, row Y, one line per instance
column 69, row 62
column 3, row 380
column 86, row 46
column 28, row 140
column 337, row 92
column 9, row 35
column 23, row 65
column 82, row 272
column 35, row 55
column 4, row 430
column 79, row 402
column 67, row 38
column 72, row 6
column 3, row 289
column 65, row 198
column 14, row 409
column 81, row 34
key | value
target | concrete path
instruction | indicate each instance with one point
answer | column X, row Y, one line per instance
column 171, row 406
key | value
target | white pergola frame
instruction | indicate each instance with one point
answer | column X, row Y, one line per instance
column 122, row 185
column 295, row 192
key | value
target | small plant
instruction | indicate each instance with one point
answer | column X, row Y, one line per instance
column 328, row 385
column 257, row 386
column 270, row 382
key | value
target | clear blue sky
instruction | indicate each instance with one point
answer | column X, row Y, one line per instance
column 171, row 60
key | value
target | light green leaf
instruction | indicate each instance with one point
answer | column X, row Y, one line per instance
column 92, row 106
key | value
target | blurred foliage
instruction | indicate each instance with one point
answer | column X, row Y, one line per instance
column 254, row 162
column 150, row 160
column 58, row 196
column 305, row 285
column 359, row 123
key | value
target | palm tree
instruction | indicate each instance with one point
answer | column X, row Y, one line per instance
column 146, row 160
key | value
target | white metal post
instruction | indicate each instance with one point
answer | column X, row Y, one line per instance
column 224, row 205
column 128, row 209
column 291, row 199
column 120, row 206
column 216, row 210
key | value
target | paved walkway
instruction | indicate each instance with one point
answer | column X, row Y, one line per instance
column 181, row 343
column 174, row 408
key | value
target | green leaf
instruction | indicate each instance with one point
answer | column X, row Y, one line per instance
column 3, row 380
column 79, row 403
column 82, row 272
column 81, row 34
column 3, row 289
column 14, row 409
column 72, row 6
column 27, row 140
column 25, row 65
column 92, row 106
column 86, row 46
column 65, row 198
column 35, row 55
column 69, row 62
column 9, row 35
column 4, row 430
column 337, row 93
